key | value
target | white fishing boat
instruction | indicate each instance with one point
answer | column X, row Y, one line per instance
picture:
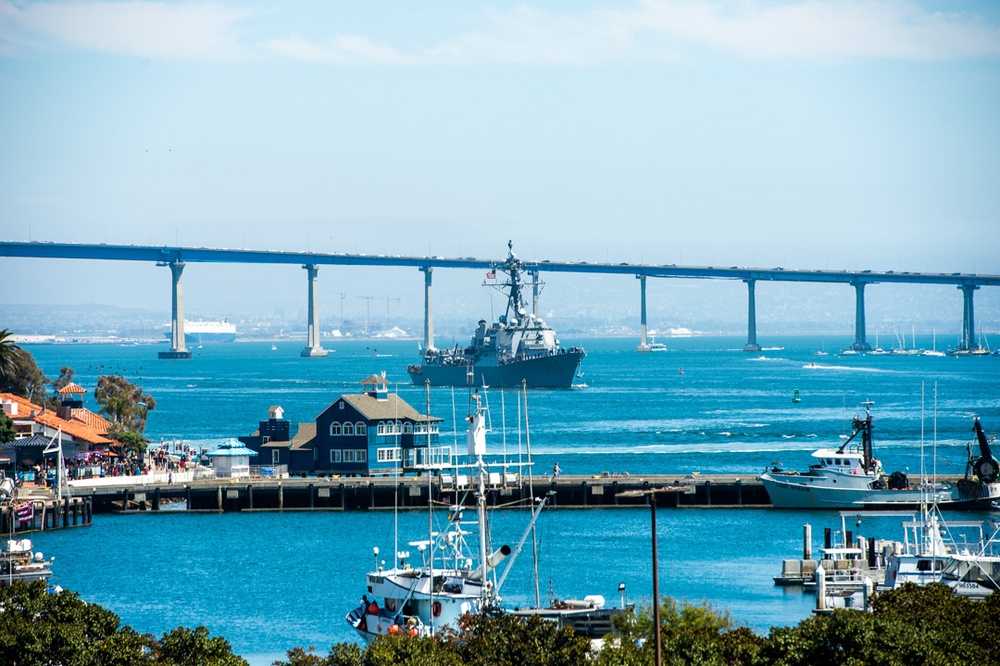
column 850, row 476
column 20, row 563
column 18, row 560
column 458, row 575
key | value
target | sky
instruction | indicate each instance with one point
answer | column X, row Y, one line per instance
column 834, row 134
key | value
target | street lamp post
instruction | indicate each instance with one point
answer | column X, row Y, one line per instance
column 650, row 496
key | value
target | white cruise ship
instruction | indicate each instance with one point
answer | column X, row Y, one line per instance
column 199, row 332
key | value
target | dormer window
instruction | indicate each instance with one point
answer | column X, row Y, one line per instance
column 335, row 429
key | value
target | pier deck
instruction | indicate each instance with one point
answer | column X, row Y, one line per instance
column 384, row 492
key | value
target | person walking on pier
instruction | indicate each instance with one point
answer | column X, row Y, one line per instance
column 555, row 471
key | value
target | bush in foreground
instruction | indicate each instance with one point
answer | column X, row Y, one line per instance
column 913, row 625
column 37, row 628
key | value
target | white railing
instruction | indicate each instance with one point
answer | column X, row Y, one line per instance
column 268, row 471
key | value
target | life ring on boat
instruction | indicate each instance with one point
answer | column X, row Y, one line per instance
column 436, row 609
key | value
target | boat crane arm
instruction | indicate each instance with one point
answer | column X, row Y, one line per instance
column 524, row 537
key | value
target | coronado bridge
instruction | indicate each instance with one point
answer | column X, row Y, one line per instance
column 176, row 258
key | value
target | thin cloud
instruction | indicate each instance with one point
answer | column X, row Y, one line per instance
column 647, row 31
column 195, row 31
column 342, row 50
column 668, row 30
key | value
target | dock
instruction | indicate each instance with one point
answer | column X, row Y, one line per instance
column 47, row 512
column 385, row 492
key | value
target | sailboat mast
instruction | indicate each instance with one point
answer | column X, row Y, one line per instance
column 531, row 493
column 430, row 508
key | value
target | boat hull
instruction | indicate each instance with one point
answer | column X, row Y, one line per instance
column 804, row 492
column 552, row 371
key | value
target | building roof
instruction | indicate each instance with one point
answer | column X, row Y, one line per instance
column 75, row 429
column 71, row 389
column 89, row 418
column 304, row 437
column 231, row 448
column 78, row 430
column 391, row 407
column 24, row 406
column 41, row 442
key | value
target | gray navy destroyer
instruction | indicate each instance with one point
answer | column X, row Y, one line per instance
column 517, row 348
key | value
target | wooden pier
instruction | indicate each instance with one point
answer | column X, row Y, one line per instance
column 48, row 513
column 376, row 493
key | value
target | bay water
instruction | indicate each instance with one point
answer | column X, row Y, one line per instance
column 269, row 581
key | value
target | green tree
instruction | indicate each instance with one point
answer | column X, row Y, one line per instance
column 511, row 640
column 129, row 441
column 41, row 628
column 25, row 379
column 194, row 647
column 123, row 402
column 64, row 379
column 7, row 432
column 8, row 352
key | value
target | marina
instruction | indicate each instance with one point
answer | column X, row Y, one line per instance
column 636, row 420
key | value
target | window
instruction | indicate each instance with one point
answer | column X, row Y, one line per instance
column 335, row 429
column 355, row 456
column 335, row 455
column 340, row 405
column 266, row 439
column 381, row 428
column 388, row 455
column 275, row 456
column 361, row 428
column 407, row 428
column 348, row 428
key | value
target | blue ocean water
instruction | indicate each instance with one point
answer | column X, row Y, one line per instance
column 272, row 581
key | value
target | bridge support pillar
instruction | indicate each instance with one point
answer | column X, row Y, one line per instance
column 860, row 341
column 177, row 346
column 428, row 308
column 751, row 345
column 314, row 348
column 643, row 344
column 968, row 319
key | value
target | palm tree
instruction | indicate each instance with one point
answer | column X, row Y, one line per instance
column 8, row 353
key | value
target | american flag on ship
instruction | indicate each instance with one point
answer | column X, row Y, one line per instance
column 25, row 512
column 491, row 274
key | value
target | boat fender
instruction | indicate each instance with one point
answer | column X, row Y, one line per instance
column 436, row 609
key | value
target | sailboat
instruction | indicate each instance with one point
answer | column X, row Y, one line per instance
column 933, row 351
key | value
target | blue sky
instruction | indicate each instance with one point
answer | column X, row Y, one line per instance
column 814, row 134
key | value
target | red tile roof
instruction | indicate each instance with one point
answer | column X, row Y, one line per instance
column 78, row 430
column 71, row 389
column 89, row 418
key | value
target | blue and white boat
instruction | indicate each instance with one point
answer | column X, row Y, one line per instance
column 851, row 477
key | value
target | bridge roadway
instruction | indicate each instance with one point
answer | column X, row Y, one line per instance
column 177, row 257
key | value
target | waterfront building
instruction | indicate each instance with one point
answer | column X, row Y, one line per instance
column 231, row 459
column 375, row 432
column 371, row 432
column 81, row 430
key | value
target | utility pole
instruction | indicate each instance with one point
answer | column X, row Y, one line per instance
column 368, row 307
